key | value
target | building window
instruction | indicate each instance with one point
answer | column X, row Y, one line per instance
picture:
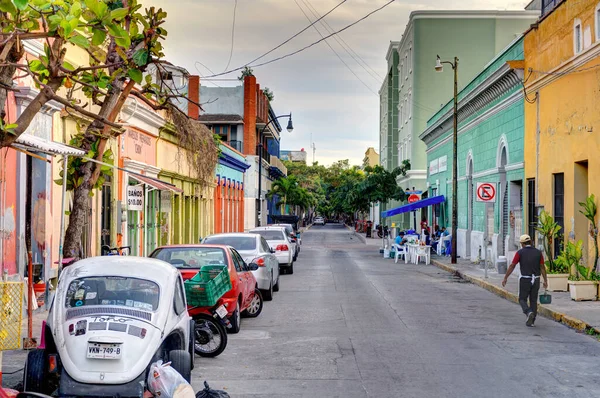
column 406, row 109
column 577, row 37
column 597, row 22
column 532, row 217
column 406, row 62
column 559, row 208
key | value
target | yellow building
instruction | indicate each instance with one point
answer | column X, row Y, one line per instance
column 562, row 114
column 371, row 158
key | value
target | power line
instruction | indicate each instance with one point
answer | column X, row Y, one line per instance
column 200, row 73
column 345, row 45
column 310, row 45
column 232, row 34
column 335, row 52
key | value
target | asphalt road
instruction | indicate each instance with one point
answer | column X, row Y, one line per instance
column 351, row 324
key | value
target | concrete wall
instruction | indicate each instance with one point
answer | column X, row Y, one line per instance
column 227, row 100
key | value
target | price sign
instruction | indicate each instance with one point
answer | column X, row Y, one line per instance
column 135, row 198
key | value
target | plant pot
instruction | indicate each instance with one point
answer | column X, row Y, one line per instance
column 558, row 282
column 583, row 290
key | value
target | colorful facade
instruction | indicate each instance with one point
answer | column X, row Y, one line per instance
column 562, row 118
column 229, row 192
column 490, row 151
column 413, row 91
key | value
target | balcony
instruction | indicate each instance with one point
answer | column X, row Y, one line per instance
column 237, row 145
column 277, row 168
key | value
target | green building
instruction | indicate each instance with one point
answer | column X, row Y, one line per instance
column 412, row 91
column 490, row 158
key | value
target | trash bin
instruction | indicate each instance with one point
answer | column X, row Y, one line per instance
column 501, row 264
column 369, row 229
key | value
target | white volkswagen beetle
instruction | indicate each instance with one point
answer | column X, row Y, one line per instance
column 111, row 318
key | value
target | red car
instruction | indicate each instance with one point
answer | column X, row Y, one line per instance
column 244, row 298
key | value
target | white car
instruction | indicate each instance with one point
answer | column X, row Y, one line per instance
column 254, row 249
column 111, row 318
column 319, row 221
column 279, row 240
column 294, row 237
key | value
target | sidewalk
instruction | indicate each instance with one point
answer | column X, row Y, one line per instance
column 582, row 315
column 14, row 361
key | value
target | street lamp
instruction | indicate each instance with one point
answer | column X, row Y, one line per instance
column 440, row 68
column 259, row 149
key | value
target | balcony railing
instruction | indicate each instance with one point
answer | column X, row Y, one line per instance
column 237, row 145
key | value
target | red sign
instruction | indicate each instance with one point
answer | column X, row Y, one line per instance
column 486, row 192
column 413, row 198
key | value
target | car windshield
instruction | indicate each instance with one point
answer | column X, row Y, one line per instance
column 271, row 234
column 113, row 290
column 191, row 257
column 239, row 243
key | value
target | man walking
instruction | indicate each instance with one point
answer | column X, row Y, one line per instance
column 532, row 267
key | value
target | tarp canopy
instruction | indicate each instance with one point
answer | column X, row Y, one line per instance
column 414, row 206
column 37, row 144
column 156, row 184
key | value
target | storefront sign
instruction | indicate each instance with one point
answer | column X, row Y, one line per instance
column 443, row 163
column 433, row 167
column 165, row 201
column 135, row 198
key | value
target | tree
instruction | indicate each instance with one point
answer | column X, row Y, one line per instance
column 121, row 42
column 284, row 188
column 589, row 209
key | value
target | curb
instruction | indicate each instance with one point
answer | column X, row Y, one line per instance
column 359, row 236
column 546, row 312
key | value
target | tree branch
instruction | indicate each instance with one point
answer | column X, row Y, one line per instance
column 81, row 110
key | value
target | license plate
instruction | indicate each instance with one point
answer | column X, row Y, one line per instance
column 104, row 351
column 222, row 311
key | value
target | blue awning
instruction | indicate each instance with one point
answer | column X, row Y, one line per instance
column 414, row 206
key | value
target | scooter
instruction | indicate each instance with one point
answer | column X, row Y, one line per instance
column 210, row 331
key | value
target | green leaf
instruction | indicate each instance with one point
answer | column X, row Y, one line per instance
column 21, row 4
column 68, row 66
column 80, row 41
column 98, row 37
column 7, row 6
column 119, row 14
column 58, row 181
column 76, row 9
column 141, row 57
column 98, row 7
column 136, row 75
column 120, row 35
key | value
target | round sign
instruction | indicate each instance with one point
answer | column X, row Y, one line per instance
column 486, row 192
column 413, row 198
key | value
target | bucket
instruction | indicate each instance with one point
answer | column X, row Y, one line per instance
column 545, row 298
column 386, row 253
column 501, row 264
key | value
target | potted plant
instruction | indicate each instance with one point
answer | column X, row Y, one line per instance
column 582, row 282
column 589, row 210
column 557, row 269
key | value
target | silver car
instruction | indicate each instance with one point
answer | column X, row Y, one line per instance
column 254, row 249
column 280, row 241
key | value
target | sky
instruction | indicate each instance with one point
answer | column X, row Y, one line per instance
column 327, row 99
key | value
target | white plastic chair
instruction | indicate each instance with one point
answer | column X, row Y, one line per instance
column 423, row 252
column 441, row 246
column 400, row 251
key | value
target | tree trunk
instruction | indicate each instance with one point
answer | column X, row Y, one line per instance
column 91, row 171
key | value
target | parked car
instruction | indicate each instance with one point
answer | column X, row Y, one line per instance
column 111, row 318
column 244, row 298
column 254, row 249
column 319, row 221
column 293, row 234
column 279, row 240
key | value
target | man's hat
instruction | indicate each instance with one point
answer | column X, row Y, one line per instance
column 525, row 238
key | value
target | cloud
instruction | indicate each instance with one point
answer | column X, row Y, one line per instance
column 325, row 98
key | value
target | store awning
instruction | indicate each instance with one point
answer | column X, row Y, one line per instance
column 156, row 184
column 32, row 143
column 414, row 206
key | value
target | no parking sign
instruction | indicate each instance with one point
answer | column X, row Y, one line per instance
column 486, row 192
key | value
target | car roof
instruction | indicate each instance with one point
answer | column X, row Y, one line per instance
column 269, row 228
column 234, row 234
column 126, row 266
column 192, row 246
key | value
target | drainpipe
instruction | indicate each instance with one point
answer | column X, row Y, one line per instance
column 62, row 215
